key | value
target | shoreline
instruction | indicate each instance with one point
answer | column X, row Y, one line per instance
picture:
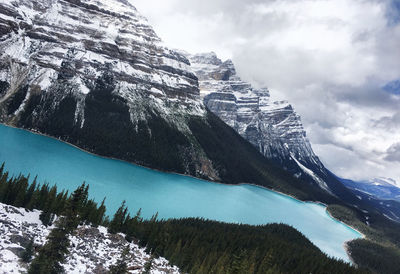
column 108, row 157
column 193, row 177
column 355, row 229
column 346, row 248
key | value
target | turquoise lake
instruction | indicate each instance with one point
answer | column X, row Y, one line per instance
column 171, row 195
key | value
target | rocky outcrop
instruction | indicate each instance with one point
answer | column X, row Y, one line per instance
column 91, row 250
column 271, row 126
column 17, row 228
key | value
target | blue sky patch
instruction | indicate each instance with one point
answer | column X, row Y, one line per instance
column 393, row 87
column 393, row 12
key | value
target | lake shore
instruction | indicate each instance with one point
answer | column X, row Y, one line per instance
column 347, row 249
column 207, row 181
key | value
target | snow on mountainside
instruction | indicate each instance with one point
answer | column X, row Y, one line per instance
column 272, row 126
column 76, row 39
column 92, row 250
column 94, row 73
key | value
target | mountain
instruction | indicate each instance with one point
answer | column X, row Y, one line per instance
column 381, row 188
column 382, row 193
column 273, row 127
column 95, row 74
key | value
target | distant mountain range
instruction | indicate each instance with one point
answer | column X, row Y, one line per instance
column 384, row 193
column 382, row 188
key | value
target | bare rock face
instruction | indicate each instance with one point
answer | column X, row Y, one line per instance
column 95, row 74
column 273, row 127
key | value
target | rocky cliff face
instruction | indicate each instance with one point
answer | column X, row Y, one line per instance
column 273, row 127
column 95, row 74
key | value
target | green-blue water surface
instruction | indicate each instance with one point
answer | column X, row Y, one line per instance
column 171, row 195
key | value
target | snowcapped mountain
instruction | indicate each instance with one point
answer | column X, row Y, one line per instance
column 95, row 74
column 271, row 126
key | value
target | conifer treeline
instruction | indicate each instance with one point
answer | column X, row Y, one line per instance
column 194, row 245
column 17, row 191
column 204, row 246
column 53, row 253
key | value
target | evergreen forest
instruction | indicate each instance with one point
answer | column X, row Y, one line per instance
column 194, row 245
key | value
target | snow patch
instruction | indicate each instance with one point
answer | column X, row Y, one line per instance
column 320, row 182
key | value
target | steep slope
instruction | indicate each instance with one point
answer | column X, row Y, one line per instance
column 94, row 74
column 274, row 128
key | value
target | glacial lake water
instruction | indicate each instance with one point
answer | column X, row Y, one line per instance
column 171, row 195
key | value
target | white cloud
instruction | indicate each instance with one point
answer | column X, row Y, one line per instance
column 330, row 58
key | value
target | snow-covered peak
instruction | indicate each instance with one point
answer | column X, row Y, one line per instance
column 209, row 58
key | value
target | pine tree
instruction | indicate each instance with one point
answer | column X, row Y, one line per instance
column 30, row 194
column 28, row 252
column 121, row 267
column 267, row 263
column 46, row 217
column 99, row 214
column 20, row 191
column 148, row 265
column 3, row 186
column 42, row 197
column 74, row 207
column 118, row 219
column 132, row 225
column 53, row 253
column 60, row 202
column 239, row 263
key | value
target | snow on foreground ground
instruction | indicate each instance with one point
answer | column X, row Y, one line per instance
column 92, row 250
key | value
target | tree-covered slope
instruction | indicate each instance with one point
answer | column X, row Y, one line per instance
column 195, row 245
column 237, row 161
column 380, row 250
column 200, row 246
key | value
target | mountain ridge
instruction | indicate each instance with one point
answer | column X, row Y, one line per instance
column 273, row 127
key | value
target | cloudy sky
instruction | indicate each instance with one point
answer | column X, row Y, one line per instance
column 336, row 61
